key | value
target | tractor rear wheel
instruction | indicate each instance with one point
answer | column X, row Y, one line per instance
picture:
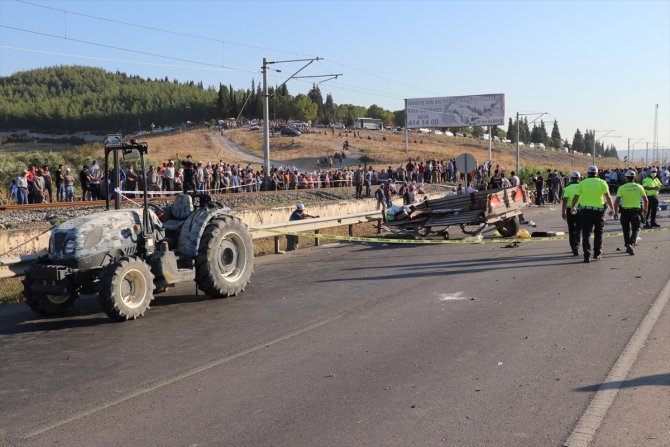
column 45, row 303
column 126, row 288
column 225, row 260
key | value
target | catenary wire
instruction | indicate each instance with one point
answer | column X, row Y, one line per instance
column 144, row 53
column 196, row 36
column 125, row 61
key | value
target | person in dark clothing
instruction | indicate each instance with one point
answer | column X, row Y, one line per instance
column 298, row 214
column 47, row 184
column 60, row 185
column 83, row 179
column 189, row 174
column 539, row 188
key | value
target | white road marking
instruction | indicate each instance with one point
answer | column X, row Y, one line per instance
column 587, row 426
column 184, row 375
column 458, row 296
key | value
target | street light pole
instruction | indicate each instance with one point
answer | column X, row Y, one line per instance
column 266, row 129
column 633, row 151
column 517, row 143
column 595, row 140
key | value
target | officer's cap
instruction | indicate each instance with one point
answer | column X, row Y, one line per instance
column 593, row 169
column 653, row 169
column 576, row 174
column 630, row 173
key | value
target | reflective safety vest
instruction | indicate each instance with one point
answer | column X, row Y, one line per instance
column 650, row 183
column 630, row 194
column 591, row 191
column 569, row 193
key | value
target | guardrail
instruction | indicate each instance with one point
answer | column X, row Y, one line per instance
column 16, row 265
column 11, row 267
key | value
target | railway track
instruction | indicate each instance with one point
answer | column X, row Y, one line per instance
column 93, row 203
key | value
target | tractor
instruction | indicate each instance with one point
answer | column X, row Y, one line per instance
column 127, row 255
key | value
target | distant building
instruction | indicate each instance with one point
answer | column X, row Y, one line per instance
column 368, row 123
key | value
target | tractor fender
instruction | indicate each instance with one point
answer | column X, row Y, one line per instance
column 194, row 227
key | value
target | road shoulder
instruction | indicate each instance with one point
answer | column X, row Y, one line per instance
column 640, row 414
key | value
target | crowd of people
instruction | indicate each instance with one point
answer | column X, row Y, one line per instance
column 40, row 185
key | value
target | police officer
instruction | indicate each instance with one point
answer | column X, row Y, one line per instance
column 592, row 193
column 652, row 185
column 573, row 220
column 628, row 202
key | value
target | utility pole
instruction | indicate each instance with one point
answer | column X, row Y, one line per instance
column 266, row 122
column 517, row 143
column 595, row 140
column 655, row 142
column 406, row 131
column 490, row 142
column 646, row 155
column 266, row 129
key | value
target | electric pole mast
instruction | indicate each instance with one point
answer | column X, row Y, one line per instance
column 654, row 149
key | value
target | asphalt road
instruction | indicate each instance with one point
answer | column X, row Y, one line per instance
column 341, row 345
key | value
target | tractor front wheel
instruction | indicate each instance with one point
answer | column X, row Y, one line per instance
column 126, row 288
column 45, row 303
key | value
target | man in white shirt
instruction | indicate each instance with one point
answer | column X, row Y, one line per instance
column 94, row 177
column 168, row 177
column 515, row 179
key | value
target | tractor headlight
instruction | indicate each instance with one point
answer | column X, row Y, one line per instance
column 70, row 246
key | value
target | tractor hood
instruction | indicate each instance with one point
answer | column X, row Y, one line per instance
column 105, row 231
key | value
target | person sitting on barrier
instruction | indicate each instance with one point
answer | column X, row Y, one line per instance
column 298, row 214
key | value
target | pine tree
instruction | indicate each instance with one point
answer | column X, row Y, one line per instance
column 315, row 95
column 525, row 131
column 578, row 142
column 589, row 140
column 555, row 136
column 511, row 131
column 544, row 138
column 535, row 135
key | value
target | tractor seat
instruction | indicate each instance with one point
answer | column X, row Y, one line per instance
column 181, row 209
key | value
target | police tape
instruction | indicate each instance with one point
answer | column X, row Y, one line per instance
column 381, row 240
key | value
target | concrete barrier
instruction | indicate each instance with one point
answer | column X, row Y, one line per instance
column 18, row 242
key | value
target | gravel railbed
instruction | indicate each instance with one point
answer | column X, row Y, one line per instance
column 44, row 218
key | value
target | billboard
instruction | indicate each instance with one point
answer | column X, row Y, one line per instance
column 456, row 111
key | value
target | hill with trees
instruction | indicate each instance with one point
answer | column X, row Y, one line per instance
column 79, row 98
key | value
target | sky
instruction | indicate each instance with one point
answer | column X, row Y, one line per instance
column 600, row 65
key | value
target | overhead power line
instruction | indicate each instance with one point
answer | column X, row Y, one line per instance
column 144, row 53
column 221, row 41
column 107, row 59
column 151, row 28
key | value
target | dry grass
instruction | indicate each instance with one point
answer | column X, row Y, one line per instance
column 10, row 290
column 197, row 143
column 392, row 151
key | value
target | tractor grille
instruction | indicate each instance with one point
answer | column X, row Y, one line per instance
column 59, row 243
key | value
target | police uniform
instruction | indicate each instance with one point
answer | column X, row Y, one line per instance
column 592, row 213
column 629, row 196
column 573, row 220
column 652, row 195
